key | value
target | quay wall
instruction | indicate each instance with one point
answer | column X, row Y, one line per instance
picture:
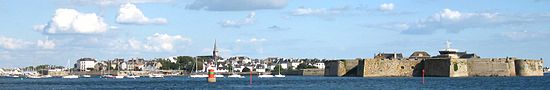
column 390, row 68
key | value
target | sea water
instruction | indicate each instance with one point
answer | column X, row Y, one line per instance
column 289, row 82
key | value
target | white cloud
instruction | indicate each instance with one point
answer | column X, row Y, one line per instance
column 157, row 42
column 455, row 21
column 525, row 35
column 302, row 11
column 238, row 23
column 252, row 45
column 251, row 40
column 450, row 14
column 130, row 14
column 72, row 21
column 386, row 7
column 236, row 5
column 12, row 43
column 115, row 2
column 45, row 44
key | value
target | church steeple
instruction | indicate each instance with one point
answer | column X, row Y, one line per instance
column 215, row 51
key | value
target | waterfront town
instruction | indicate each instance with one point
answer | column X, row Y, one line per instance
column 450, row 63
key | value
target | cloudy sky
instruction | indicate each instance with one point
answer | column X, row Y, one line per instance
column 36, row 32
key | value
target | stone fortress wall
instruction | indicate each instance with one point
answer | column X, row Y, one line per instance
column 394, row 65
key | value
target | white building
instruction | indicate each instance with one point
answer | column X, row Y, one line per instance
column 319, row 65
column 85, row 64
column 294, row 64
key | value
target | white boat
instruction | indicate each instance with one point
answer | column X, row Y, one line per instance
column 279, row 75
column 218, row 76
column 198, row 75
column 156, row 76
column 119, row 77
column 34, row 76
column 47, row 76
column 14, row 76
column 132, row 76
column 86, row 76
column 107, row 76
column 70, row 76
column 265, row 76
column 235, row 76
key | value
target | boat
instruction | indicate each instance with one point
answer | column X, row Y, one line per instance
column 47, row 76
column 86, row 76
column 235, row 76
column 280, row 75
column 198, row 75
column 119, row 77
column 156, row 76
column 34, row 76
column 70, row 76
column 218, row 76
column 195, row 74
column 132, row 76
column 265, row 76
column 107, row 76
column 13, row 76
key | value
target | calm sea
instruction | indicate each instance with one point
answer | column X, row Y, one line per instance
column 290, row 82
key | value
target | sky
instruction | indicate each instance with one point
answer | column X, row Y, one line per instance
column 34, row 32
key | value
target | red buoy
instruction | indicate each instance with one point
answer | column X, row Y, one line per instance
column 211, row 76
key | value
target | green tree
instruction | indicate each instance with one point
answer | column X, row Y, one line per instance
column 277, row 68
column 304, row 66
column 246, row 69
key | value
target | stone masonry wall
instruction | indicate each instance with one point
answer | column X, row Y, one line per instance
column 341, row 68
column 529, row 67
column 389, row 67
column 491, row 67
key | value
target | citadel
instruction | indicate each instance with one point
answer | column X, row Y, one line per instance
column 450, row 63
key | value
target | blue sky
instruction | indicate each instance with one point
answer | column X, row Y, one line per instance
column 53, row 31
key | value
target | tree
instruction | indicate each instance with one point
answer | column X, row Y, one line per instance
column 304, row 66
column 246, row 69
column 277, row 68
column 230, row 67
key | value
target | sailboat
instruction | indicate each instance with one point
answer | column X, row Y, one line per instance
column 195, row 74
column 69, row 76
column 235, row 75
column 279, row 75
column 265, row 75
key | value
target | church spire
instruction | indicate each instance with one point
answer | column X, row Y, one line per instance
column 215, row 51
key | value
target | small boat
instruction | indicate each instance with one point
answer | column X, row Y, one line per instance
column 70, row 76
column 218, row 76
column 156, row 76
column 47, row 76
column 235, row 76
column 34, row 76
column 14, row 76
column 279, row 75
column 119, row 77
column 265, row 76
column 198, row 75
column 86, row 76
column 107, row 76
column 132, row 76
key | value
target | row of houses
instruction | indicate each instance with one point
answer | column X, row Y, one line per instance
column 134, row 64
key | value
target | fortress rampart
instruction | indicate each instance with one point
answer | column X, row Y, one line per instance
column 460, row 65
